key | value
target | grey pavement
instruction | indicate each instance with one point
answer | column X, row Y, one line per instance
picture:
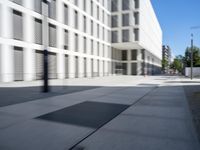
column 158, row 117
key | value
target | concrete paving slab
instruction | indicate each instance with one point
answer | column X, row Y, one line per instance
column 113, row 139
column 41, row 135
column 168, row 112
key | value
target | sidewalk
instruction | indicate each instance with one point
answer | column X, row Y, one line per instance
column 147, row 114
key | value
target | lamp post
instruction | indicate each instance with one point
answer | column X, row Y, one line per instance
column 191, row 74
column 45, row 41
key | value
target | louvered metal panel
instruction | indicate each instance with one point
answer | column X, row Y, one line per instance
column 76, row 67
column 39, row 65
column 66, row 66
column 52, row 62
column 18, row 64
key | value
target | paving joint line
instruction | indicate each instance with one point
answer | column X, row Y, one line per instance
column 76, row 144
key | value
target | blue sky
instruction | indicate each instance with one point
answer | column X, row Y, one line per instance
column 176, row 17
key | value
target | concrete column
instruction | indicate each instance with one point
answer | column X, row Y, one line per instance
column 7, row 50
column 60, row 41
column 129, row 63
column 29, row 53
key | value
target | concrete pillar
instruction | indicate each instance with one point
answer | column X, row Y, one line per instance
column 7, row 50
column 29, row 53
column 60, row 41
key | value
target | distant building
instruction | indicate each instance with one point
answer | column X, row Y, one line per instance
column 166, row 55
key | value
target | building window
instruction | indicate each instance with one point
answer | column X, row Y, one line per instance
column 103, row 32
column 66, row 14
column 103, row 48
column 134, row 55
column 136, row 16
column 124, row 55
column 91, row 7
column 125, row 19
column 52, row 35
column 76, row 43
column 38, row 6
column 114, row 5
column 17, row 1
column 114, row 37
column 103, row 17
column 66, row 40
column 114, row 21
column 125, row 4
column 98, row 30
column 136, row 33
column 84, row 5
column 92, row 47
column 125, row 35
column 52, row 9
column 92, row 32
column 84, row 24
column 97, row 12
column 97, row 48
column 38, row 31
column 85, row 45
column 136, row 4
column 17, row 25
column 76, row 2
column 76, row 19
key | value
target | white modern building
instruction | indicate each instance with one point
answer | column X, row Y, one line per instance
column 87, row 38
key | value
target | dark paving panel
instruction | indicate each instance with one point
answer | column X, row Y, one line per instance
column 88, row 114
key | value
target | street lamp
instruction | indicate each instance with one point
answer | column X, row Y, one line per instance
column 191, row 74
column 45, row 41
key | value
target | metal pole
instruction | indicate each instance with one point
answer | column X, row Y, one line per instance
column 191, row 56
column 45, row 41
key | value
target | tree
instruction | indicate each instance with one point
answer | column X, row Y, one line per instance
column 196, row 57
column 165, row 64
column 177, row 63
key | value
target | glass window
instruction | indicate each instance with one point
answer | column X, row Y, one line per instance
column 84, row 24
column 125, row 4
column 114, row 36
column 84, row 5
column 125, row 35
column 92, row 47
column 125, row 19
column 136, row 16
column 76, row 19
column 76, row 43
column 85, row 45
column 114, row 21
column 52, row 9
column 124, row 55
column 17, row 25
column 136, row 33
column 114, row 5
column 66, row 14
column 66, row 40
column 92, row 32
column 134, row 55
column 38, row 31
column 91, row 7
column 38, row 6
column 76, row 2
column 52, row 35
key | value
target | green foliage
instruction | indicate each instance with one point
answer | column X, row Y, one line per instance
column 177, row 64
column 196, row 57
column 165, row 64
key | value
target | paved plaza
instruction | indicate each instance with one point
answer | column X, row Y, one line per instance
column 116, row 112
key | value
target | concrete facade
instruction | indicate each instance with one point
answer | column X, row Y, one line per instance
column 80, row 42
